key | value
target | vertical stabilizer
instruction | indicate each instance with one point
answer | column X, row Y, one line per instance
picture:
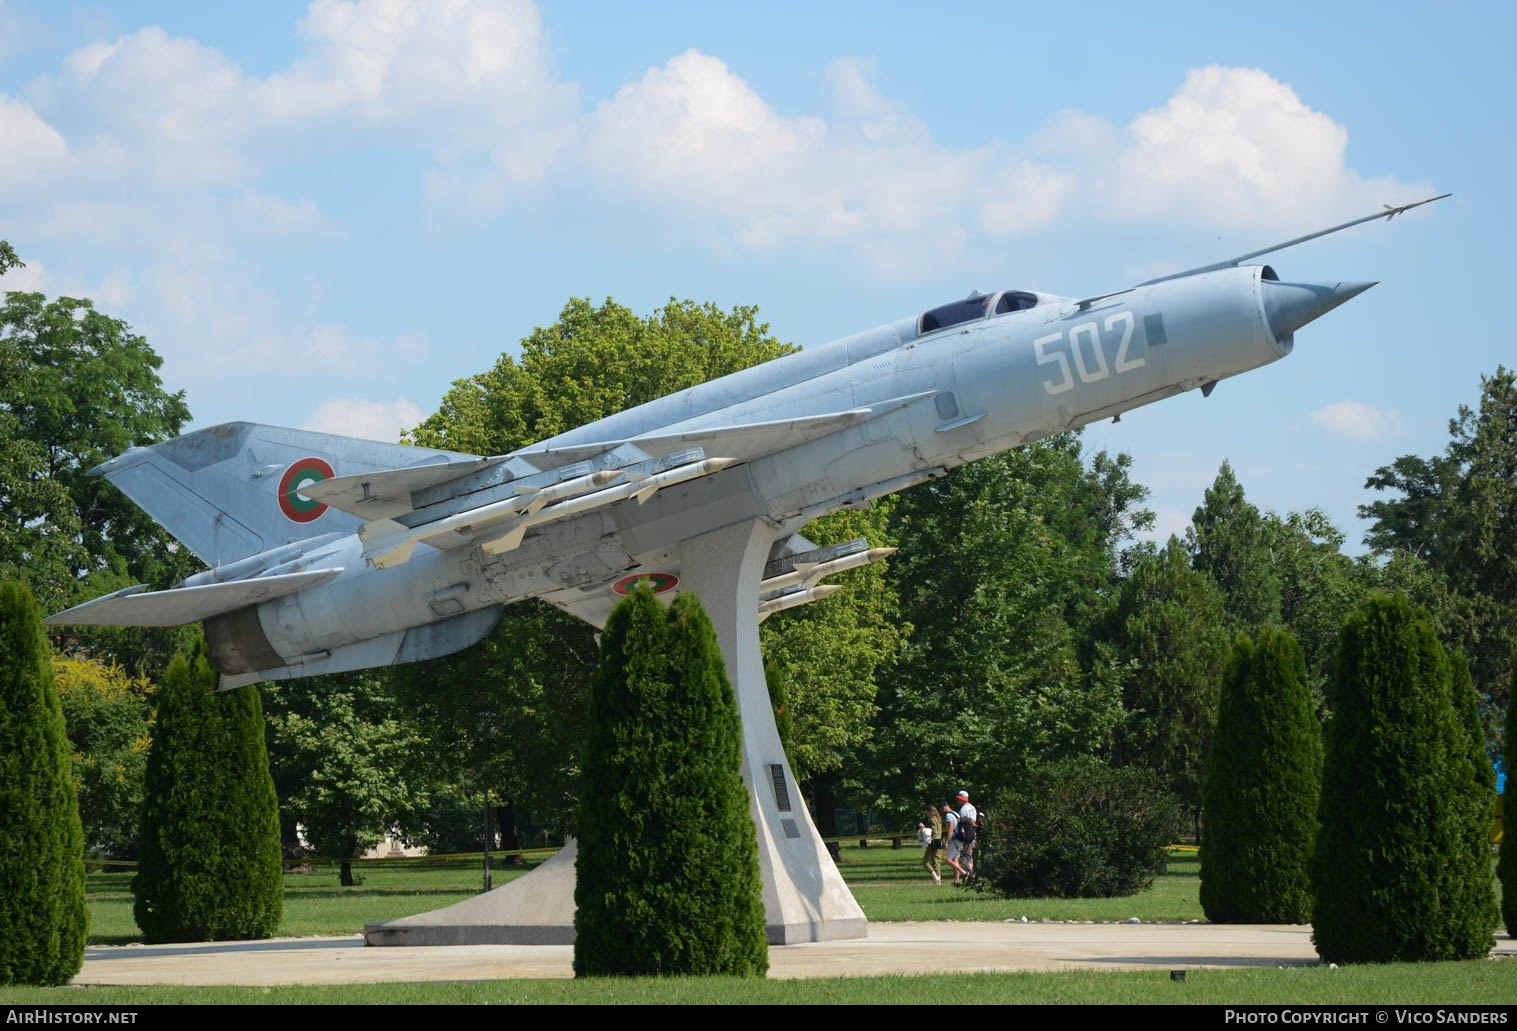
column 234, row 490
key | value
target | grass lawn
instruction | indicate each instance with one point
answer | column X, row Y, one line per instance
column 889, row 884
column 315, row 904
column 1488, row 982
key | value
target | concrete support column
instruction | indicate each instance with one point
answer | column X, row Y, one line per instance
column 805, row 898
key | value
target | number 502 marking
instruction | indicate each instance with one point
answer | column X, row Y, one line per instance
column 1087, row 373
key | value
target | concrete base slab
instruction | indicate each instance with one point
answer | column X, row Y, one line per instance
column 897, row 948
column 537, row 909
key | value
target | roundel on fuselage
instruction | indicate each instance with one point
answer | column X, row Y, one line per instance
column 660, row 582
column 296, row 506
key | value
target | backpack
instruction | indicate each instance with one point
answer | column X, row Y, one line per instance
column 964, row 831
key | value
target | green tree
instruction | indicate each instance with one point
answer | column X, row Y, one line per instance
column 1458, row 512
column 109, row 715
column 1394, row 818
column 210, row 864
column 667, row 875
column 1506, row 863
column 1470, row 860
column 827, row 655
column 1319, row 587
column 1001, row 561
column 507, row 715
column 1263, row 782
column 8, row 259
column 39, row 530
column 593, row 362
column 82, row 388
column 1169, row 626
column 41, row 845
column 78, row 387
column 345, row 753
column 1418, row 521
column 1226, row 539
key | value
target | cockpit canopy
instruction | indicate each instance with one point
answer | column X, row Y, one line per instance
column 975, row 306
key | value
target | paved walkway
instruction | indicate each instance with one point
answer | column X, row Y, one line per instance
column 891, row 948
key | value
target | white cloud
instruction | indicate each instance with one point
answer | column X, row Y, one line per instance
column 32, row 149
column 690, row 141
column 369, row 420
column 694, row 139
column 457, row 78
column 157, row 152
column 1359, row 422
column 32, row 277
column 1232, row 146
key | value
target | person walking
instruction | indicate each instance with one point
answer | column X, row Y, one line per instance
column 932, row 859
column 966, row 827
column 951, row 843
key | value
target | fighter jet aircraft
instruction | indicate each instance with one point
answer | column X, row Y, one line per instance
column 328, row 553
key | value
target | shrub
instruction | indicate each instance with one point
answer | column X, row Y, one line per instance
column 108, row 714
column 667, row 876
column 1263, row 782
column 1079, row 828
column 210, row 859
column 1395, row 821
column 42, row 914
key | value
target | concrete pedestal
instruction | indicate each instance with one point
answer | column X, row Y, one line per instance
column 805, row 899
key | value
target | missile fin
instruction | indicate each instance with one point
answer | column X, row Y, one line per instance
column 508, row 542
column 397, row 556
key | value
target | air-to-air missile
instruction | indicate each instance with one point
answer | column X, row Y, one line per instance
column 328, row 553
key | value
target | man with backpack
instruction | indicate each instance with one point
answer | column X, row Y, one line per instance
column 965, row 826
column 952, row 843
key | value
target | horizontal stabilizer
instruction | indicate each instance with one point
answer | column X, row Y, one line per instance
column 387, row 493
column 131, row 607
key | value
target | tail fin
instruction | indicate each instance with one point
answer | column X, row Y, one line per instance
column 234, row 490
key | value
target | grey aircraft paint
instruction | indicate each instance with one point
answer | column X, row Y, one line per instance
column 330, row 554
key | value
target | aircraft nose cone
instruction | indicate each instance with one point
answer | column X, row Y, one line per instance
column 1289, row 306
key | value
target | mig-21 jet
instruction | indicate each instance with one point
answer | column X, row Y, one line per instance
column 329, row 554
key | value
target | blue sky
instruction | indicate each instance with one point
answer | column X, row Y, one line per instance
column 322, row 214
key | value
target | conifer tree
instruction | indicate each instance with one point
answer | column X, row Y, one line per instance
column 1170, row 625
column 667, row 875
column 1506, row 865
column 210, row 862
column 1226, row 539
column 1395, row 817
column 1262, row 785
column 1470, row 864
column 42, row 913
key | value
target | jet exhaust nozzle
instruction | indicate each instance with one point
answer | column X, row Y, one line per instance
column 1289, row 306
